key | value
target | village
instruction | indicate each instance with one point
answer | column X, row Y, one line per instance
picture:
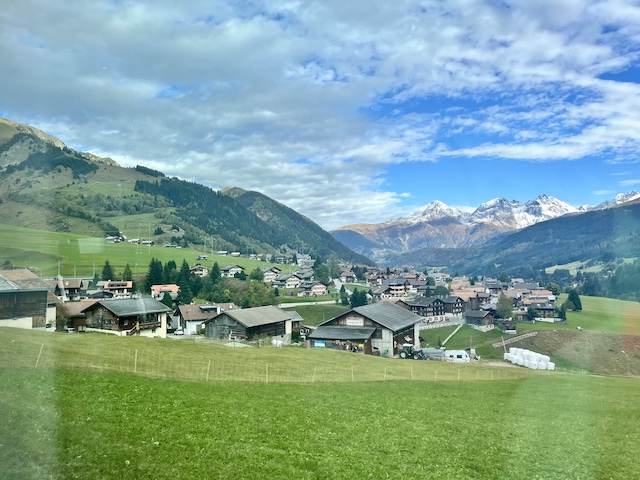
column 398, row 306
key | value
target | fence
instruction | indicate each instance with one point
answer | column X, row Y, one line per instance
column 212, row 363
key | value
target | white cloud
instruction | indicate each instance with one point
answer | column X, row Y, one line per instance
column 236, row 94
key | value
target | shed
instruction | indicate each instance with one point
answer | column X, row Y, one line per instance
column 247, row 323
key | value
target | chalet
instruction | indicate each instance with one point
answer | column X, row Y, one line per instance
column 432, row 309
column 23, row 299
column 193, row 317
column 199, row 270
column 128, row 316
column 70, row 288
column 347, row 276
column 375, row 328
column 393, row 288
column 247, row 323
column 158, row 291
column 312, row 289
column 119, row 289
column 270, row 274
column 231, row 270
column 454, row 306
column 287, row 281
column 480, row 318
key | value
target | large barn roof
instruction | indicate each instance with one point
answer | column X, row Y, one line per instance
column 254, row 317
column 124, row 307
column 389, row 315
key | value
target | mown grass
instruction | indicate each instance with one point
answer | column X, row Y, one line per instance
column 69, row 421
column 81, row 255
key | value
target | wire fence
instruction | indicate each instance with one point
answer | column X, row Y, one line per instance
column 263, row 365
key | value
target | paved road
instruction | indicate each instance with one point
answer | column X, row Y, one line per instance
column 298, row 304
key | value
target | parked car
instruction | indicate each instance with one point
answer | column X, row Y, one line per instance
column 179, row 332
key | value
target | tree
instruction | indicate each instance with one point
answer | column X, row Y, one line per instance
column 505, row 306
column 321, row 274
column 554, row 288
column 256, row 274
column 532, row 313
column 214, row 273
column 504, row 277
column 344, row 298
column 441, row 291
column 167, row 300
column 334, row 266
column 154, row 275
column 431, row 281
column 107, row 271
column 575, row 299
column 294, row 259
column 240, row 276
column 127, row 275
column 358, row 298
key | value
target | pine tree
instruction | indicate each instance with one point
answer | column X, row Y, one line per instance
column 154, row 275
column 107, row 271
column 575, row 299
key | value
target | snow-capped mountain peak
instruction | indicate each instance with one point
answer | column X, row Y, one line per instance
column 618, row 199
column 435, row 211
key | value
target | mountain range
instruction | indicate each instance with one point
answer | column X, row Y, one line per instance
column 47, row 185
column 437, row 225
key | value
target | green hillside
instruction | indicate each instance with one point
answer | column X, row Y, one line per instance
column 99, row 407
column 46, row 185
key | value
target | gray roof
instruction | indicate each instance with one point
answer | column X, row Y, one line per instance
column 342, row 333
column 123, row 307
column 476, row 313
column 22, row 279
column 425, row 301
column 254, row 317
column 387, row 314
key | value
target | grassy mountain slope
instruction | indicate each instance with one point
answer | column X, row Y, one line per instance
column 48, row 186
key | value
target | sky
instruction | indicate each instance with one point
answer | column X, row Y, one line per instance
column 348, row 112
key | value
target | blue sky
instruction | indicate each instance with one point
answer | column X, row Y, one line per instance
column 348, row 112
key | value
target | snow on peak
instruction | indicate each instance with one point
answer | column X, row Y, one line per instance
column 435, row 211
column 618, row 200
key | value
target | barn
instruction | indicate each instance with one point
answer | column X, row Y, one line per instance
column 377, row 328
column 246, row 323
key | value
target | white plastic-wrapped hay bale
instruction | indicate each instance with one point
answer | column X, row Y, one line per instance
column 514, row 359
column 517, row 352
column 551, row 366
column 507, row 356
column 525, row 362
column 545, row 358
column 542, row 365
column 520, row 361
column 533, row 365
column 534, row 357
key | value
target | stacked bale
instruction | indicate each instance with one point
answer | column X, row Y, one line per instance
column 529, row 359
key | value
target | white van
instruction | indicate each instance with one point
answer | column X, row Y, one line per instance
column 457, row 356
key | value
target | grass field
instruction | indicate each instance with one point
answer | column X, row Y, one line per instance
column 78, row 255
column 69, row 417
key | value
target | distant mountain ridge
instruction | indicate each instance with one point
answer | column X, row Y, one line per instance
column 437, row 225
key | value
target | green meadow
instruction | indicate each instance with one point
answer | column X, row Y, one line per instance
column 81, row 406
column 80, row 255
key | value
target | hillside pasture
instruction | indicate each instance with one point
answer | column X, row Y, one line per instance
column 67, row 418
column 82, row 255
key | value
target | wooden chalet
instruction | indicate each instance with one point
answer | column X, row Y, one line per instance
column 128, row 316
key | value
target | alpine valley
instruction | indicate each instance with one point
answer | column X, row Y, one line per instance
column 47, row 185
column 438, row 234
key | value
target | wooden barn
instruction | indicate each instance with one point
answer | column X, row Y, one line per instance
column 23, row 299
column 246, row 323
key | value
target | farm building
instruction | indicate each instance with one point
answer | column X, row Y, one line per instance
column 23, row 299
column 376, row 328
column 192, row 317
column 247, row 323
column 128, row 316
